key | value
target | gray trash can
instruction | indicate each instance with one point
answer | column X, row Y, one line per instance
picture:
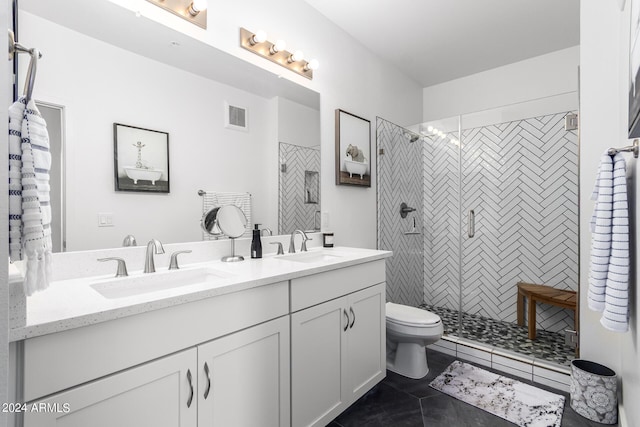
column 594, row 391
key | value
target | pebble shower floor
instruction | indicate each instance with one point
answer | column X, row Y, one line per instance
column 549, row 346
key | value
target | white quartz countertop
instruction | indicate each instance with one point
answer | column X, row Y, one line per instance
column 74, row 303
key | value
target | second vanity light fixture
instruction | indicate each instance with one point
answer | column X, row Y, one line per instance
column 257, row 43
column 194, row 11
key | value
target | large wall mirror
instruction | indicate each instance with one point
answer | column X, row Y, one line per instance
column 128, row 69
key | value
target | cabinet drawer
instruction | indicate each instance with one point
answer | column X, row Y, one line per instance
column 318, row 288
column 58, row 361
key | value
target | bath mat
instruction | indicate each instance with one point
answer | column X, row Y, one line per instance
column 520, row 403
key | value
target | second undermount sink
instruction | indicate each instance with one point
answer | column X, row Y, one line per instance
column 121, row 287
column 311, row 257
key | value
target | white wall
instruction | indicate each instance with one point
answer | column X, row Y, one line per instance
column 542, row 76
column 115, row 85
column 298, row 124
column 604, row 53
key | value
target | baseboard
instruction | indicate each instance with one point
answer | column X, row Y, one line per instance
column 622, row 417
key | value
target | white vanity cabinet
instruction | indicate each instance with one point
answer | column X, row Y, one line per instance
column 157, row 394
column 238, row 380
column 244, row 378
column 149, row 370
column 338, row 346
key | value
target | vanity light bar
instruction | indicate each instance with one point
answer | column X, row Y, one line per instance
column 194, row 11
column 295, row 62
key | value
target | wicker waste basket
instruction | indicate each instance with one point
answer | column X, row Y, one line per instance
column 594, row 391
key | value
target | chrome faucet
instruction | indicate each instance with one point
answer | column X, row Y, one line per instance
column 154, row 245
column 292, row 245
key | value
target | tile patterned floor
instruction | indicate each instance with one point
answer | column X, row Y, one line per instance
column 402, row 402
column 509, row 336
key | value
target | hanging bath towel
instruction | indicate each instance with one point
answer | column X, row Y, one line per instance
column 29, row 203
column 609, row 274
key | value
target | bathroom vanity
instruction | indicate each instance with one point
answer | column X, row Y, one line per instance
column 285, row 340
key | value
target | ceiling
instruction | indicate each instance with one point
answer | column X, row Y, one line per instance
column 434, row 41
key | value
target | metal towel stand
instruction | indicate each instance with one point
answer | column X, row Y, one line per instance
column 35, row 54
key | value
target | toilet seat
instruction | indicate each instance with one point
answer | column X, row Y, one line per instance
column 410, row 316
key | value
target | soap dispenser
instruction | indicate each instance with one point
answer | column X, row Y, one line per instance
column 256, row 243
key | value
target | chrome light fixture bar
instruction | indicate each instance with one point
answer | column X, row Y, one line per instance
column 275, row 52
column 194, row 11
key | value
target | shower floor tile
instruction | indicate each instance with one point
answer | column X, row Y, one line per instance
column 548, row 346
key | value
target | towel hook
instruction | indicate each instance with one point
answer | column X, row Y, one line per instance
column 33, row 64
column 635, row 149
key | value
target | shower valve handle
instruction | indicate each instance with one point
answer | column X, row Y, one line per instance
column 404, row 209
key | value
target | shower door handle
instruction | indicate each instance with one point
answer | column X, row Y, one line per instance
column 472, row 223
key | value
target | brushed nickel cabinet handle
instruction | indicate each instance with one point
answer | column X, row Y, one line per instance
column 206, row 371
column 354, row 317
column 190, row 387
column 472, row 223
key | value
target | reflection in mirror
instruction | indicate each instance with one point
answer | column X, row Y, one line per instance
column 132, row 70
column 299, row 188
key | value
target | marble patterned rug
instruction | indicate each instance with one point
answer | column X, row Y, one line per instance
column 520, row 403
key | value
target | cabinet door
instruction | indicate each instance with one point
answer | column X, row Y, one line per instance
column 244, row 378
column 366, row 341
column 318, row 340
column 157, row 394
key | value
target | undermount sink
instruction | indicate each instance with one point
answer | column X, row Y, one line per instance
column 311, row 257
column 121, row 287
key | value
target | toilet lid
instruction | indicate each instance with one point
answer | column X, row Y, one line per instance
column 405, row 315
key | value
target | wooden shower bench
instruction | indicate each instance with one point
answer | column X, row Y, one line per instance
column 545, row 294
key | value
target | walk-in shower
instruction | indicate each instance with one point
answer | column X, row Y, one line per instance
column 496, row 198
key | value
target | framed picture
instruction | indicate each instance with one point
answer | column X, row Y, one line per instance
column 141, row 159
column 353, row 149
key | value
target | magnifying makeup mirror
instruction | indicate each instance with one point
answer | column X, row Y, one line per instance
column 228, row 220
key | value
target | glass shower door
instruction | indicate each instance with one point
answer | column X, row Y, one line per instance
column 519, row 205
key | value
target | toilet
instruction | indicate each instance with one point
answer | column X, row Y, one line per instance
column 409, row 331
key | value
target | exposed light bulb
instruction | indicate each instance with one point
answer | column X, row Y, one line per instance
column 259, row 37
column 312, row 65
column 278, row 46
column 197, row 6
column 298, row 55
column 429, row 128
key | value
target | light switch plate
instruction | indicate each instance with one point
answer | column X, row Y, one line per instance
column 105, row 219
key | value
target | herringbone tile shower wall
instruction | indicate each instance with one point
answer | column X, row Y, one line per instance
column 520, row 178
column 294, row 213
column 400, row 180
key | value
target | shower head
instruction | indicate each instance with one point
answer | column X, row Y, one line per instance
column 411, row 137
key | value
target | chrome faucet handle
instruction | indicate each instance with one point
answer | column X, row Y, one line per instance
column 268, row 230
column 173, row 264
column 280, row 250
column 303, row 248
column 122, row 265
column 292, row 244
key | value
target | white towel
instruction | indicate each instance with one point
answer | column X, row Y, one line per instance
column 214, row 199
column 29, row 203
column 609, row 273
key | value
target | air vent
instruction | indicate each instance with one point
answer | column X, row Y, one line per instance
column 236, row 117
